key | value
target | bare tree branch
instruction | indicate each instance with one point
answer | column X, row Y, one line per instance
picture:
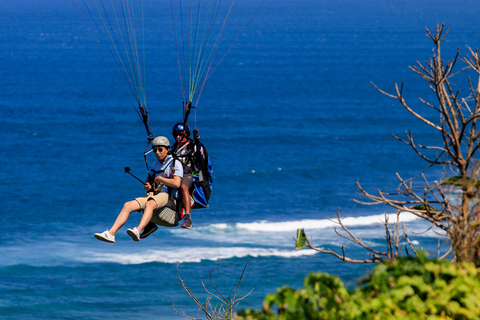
column 225, row 310
column 453, row 204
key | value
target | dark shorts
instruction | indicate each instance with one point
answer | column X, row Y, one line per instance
column 187, row 180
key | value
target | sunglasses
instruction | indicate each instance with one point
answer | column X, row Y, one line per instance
column 159, row 149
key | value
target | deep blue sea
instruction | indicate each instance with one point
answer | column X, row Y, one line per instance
column 290, row 119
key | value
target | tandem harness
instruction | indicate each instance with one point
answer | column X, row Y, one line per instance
column 157, row 187
column 172, row 202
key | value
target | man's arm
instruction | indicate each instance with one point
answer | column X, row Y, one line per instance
column 148, row 183
column 147, row 186
column 174, row 182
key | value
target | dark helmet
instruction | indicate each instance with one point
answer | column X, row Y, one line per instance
column 179, row 127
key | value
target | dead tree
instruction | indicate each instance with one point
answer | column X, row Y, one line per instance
column 393, row 238
column 451, row 205
column 212, row 311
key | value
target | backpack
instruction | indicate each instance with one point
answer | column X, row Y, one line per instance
column 202, row 180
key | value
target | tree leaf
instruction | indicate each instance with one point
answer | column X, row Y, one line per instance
column 425, row 207
column 301, row 239
column 463, row 182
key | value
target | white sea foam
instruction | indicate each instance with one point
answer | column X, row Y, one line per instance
column 191, row 255
column 310, row 224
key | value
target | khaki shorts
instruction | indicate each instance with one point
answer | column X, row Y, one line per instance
column 161, row 199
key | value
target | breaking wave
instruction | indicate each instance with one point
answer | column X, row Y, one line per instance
column 191, row 255
column 206, row 243
column 310, row 224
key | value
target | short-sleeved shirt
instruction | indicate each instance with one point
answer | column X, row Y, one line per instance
column 165, row 170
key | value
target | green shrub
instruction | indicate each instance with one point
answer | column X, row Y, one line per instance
column 409, row 288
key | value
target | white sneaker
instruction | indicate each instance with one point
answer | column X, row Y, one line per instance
column 105, row 236
column 134, row 234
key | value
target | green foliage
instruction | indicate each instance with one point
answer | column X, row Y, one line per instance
column 467, row 184
column 425, row 207
column 409, row 288
column 301, row 239
column 460, row 181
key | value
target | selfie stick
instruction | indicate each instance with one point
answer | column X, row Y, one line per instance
column 127, row 170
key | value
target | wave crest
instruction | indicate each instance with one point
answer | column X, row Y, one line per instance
column 191, row 255
column 310, row 224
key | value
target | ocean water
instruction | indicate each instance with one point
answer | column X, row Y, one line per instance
column 289, row 117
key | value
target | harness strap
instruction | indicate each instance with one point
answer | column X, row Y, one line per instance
column 158, row 187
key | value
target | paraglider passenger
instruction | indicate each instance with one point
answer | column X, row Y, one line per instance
column 165, row 172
